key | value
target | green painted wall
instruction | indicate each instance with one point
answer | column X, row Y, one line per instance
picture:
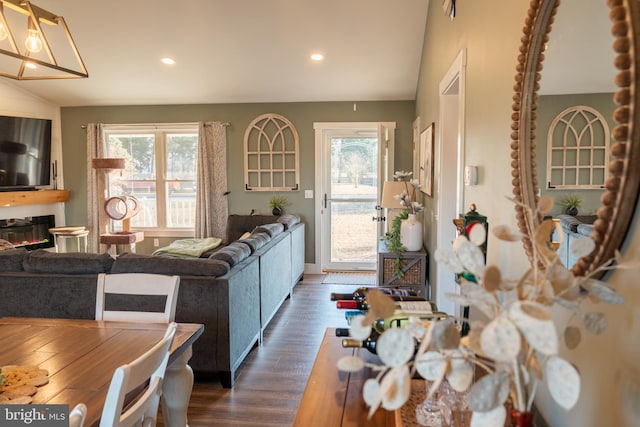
column 303, row 115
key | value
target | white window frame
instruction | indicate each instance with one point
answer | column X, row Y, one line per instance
column 160, row 131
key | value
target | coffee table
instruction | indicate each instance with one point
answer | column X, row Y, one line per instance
column 334, row 398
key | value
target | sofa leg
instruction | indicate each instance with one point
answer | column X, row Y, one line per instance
column 227, row 379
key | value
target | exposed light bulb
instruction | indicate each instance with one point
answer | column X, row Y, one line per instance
column 3, row 32
column 33, row 42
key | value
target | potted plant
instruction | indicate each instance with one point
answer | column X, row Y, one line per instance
column 277, row 204
column 571, row 203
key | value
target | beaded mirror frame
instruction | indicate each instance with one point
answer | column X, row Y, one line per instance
column 621, row 189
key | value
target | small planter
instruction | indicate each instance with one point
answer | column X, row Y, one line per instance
column 277, row 204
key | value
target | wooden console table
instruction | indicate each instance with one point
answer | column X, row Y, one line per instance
column 334, row 398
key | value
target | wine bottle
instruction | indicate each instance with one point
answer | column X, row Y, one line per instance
column 400, row 319
column 360, row 293
column 357, row 295
column 342, row 332
column 370, row 343
column 364, row 305
column 350, row 313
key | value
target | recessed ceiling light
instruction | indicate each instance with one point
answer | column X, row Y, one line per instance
column 168, row 61
column 317, row 56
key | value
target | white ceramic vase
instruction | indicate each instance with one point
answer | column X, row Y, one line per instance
column 411, row 233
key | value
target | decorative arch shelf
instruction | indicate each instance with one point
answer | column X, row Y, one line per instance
column 271, row 155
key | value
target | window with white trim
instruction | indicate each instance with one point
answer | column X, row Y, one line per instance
column 578, row 149
column 160, row 172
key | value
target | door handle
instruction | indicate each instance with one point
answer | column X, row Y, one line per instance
column 325, row 200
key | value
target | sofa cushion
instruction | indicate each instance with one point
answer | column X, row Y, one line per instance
column 569, row 223
column 289, row 220
column 272, row 229
column 11, row 259
column 138, row 263
column 237, row 225
column 232, row 254
column 42, row 261
column 585, row 229
column 256, row 241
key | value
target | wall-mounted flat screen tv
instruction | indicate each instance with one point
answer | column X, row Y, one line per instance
column 25, row 153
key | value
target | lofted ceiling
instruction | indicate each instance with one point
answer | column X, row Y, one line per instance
column 236, row 51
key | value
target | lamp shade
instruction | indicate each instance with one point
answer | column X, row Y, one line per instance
column 108, row 163
column 391, row 189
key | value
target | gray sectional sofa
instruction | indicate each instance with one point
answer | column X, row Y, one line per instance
column 234, row 291
column 573, row 227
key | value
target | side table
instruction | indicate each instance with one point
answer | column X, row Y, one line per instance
column 414, row 265
column 62, row 234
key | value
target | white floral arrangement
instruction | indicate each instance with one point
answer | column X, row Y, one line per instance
column 407, row 201
column 517, row 345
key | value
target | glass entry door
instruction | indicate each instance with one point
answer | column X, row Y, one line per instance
column 353, row 175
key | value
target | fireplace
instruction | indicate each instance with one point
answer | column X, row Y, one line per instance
column 29, row 232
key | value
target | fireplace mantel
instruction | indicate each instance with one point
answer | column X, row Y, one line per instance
column 38, row 197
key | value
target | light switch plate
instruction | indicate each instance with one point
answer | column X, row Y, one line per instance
column 308, row 194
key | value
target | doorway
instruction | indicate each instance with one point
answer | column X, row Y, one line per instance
column 354, row 163
column 450, row 165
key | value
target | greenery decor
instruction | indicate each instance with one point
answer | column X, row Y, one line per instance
column 571, row 203
column 411, row 206
column 277, row 204
column 517, row 344
column 394, row 245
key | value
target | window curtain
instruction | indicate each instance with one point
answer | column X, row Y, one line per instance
column 212, row 207
column 98, row 221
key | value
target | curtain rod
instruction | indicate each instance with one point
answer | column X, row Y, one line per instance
column 156, row 125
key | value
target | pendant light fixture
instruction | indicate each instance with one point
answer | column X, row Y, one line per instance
column 36, row 44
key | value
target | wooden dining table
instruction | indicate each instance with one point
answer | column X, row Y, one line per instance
column 82, row 355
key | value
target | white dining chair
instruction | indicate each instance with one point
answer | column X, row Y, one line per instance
column 137, row 284
column 147, row 369
column 77, row 415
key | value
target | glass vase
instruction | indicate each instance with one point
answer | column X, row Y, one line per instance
column 454, row 406
column 428, row 412
column 521, row 419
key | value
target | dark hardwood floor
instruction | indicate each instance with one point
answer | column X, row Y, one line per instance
column 270, row 384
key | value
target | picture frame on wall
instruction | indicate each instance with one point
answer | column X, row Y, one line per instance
column 426, row 160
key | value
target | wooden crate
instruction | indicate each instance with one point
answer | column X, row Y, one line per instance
column 414, row 266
